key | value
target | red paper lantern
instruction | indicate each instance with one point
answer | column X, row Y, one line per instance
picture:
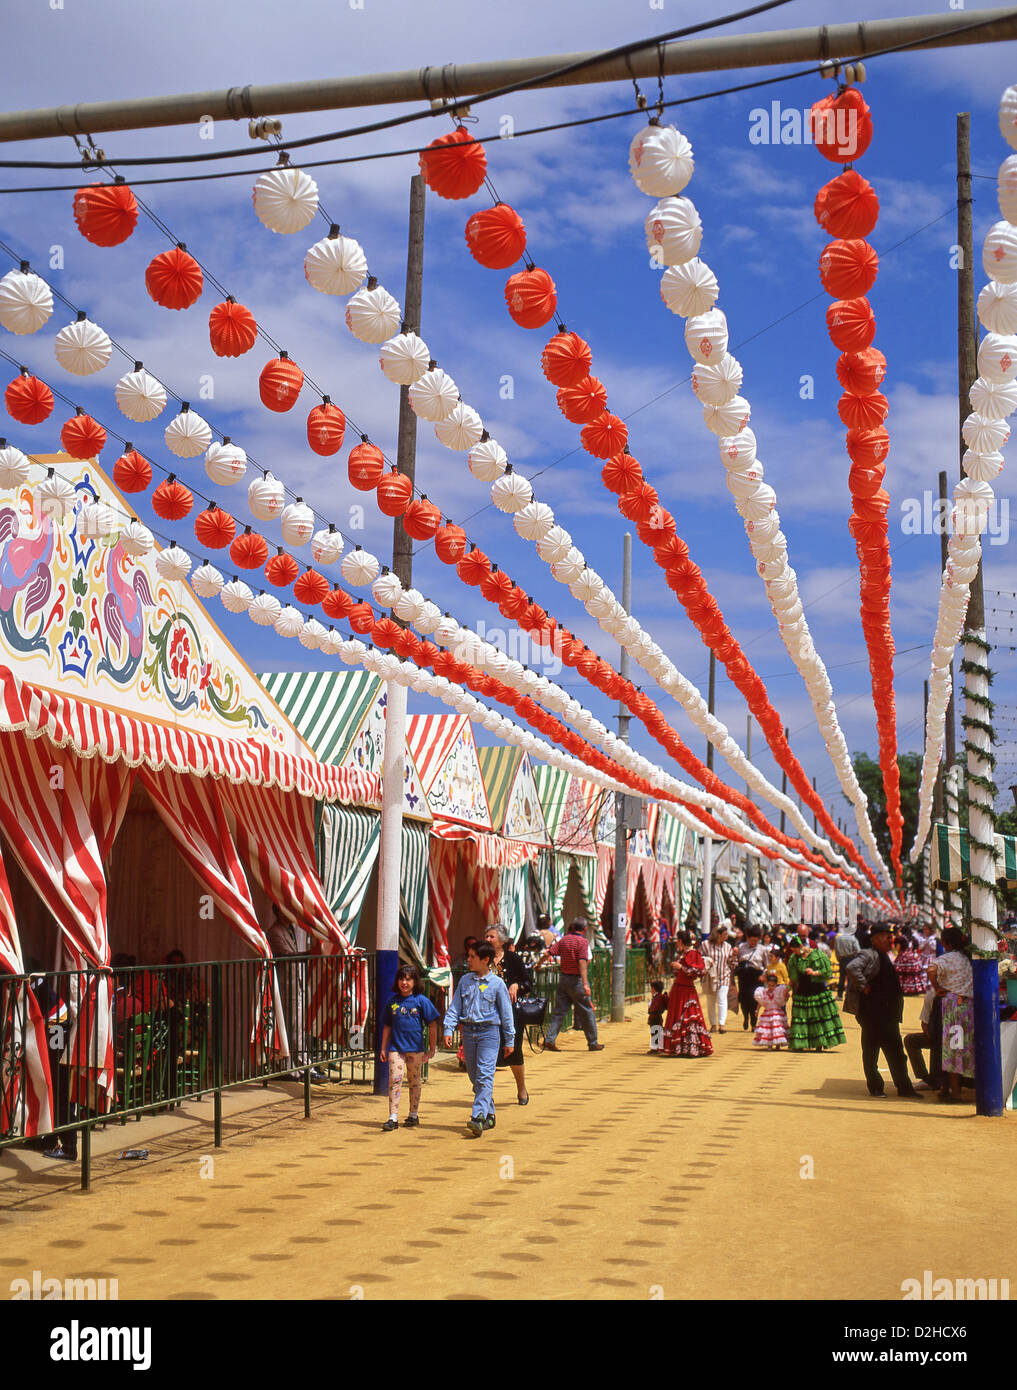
column 450, row 543
column 407, row 646
column 863, row 412
column 428, row 652
column 171, row 500
column 531, row 298
column 587, row 663
column 326, row 426
column 640, row 503
column 866, row 482
column 106, row 213
column 281, row 570
column 337, row 603
column 583, row 403
column 851, row 324
column 621, row 474
column 28, row 400
column 131, row 472
column 361, row 617
column 514, row 605
column 670, row 551
column 249, row 551
column 454, row 165
column 867, row 448
column 421, row 520
column 385, row 632
column 174, row 279
column 872, row 508
column 232, row 329
column 567, row 360
column 310, row 588
column 861, row 373
column 279, row 384
column 496, row 236
column 848, row 268
column 82, row 437
column 496, row 587
column 841, row 126
column 395, row 492
column 214, row 528
column 366, row 466
column 474, row 567
column 658, row 525
column 607, row 435
column 847, row 206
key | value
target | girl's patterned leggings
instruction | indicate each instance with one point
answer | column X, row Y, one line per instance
column 404, row 1066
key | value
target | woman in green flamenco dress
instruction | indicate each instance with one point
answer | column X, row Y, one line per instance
column 815, row 1019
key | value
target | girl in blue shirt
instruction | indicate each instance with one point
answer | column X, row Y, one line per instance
column 402, row 1043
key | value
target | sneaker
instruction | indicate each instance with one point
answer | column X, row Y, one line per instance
column 489, row 1122
column 390, row 1125
column 411, row 1121
column 476, row 1126
column 59, row 1153
column 596, row 1047
column 550, row 1047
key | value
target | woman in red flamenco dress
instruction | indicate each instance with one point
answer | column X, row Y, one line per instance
column 685, row 1031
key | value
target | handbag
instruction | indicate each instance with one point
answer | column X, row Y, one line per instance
column 531, row 1011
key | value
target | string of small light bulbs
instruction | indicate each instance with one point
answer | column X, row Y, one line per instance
column 281, row 382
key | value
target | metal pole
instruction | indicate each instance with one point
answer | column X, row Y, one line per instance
column 393, row 764
column 455, row 82
column 710, row 701
column 981, row 821
column 950, row 744
column 621, row 832
column 706, row 906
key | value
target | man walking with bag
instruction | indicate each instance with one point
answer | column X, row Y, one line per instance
column 875, row 996
column 573, row 950
column 845, row 948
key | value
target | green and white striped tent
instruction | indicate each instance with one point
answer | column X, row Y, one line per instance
column 341, row 716
column 951, row 857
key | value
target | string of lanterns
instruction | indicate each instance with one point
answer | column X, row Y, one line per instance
column 993, row 398
column 661, row 164
column 847, row 209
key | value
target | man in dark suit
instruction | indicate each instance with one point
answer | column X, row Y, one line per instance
column 875, row 995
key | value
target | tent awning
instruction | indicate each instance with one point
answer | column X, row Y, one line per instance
column 100, row 731
column 951, row 857
column 493, row 851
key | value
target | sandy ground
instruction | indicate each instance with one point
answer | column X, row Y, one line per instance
column 751, row 1174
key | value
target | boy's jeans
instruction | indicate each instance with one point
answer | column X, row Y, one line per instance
column 481, row 1045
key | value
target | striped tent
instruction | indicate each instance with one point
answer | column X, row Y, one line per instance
column 328, row 708
column 512, row 795
column 951, row 856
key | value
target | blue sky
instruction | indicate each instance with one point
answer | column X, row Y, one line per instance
column 584, row 218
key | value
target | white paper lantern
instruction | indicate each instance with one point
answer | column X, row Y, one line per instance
column 1006, row 187
column 372, row 315
column 674, row 231
column 446, row 631
column 264, row 610
column 236, row 596
column 1008, row 117
column 428, row 618
column 297, row 523
column 717, row 384
column 511, row 493
column 97, row 521
column 533, row 521
column 405, row 358
column 14, row 467
column 206, row 581
column 729, row 418
column 567, row 571
column 326, row 546
column 460, row 429
column 82, row 348
column 285, row 200
column 972, row 500
column 999, row 253
column 359, row 567
column 434, row 396
column 408, row 605
column 335, row 265
column 136, row 540
column 331, row 642
column 997, row 308
column 760, row 504
column 599, row 606
column 554, row 545
column 586, row 586
column 26, row 302
column 289, row 622
column 312, row 634
column 266, row 497
column 188, row 435
column 706, row 337
column 997, row 358
column 386, row 589
column 487, row 460
column 225, row 463
column 173, row 564
column 992, row 400
column 139, row 396
column 660, row 161
column 352, row 651
column 738, row 451
column 55, row 498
